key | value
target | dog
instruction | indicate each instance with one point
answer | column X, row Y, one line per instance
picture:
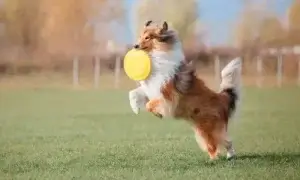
column 185, row 96
column 165, row 50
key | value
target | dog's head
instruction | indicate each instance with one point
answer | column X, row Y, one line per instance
column 155, row 37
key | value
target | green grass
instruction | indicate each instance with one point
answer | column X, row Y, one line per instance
column 62, row 134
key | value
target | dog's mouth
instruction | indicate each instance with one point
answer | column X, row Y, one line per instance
column 137, row 46
column 142, row 48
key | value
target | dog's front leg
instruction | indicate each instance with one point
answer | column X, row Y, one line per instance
column 154, row 106
column 137, row 99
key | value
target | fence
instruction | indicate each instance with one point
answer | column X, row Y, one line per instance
column 277, row 53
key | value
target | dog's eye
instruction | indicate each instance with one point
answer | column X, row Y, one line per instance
column 147, row 38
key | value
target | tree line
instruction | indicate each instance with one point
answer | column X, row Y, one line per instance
column 82, row 26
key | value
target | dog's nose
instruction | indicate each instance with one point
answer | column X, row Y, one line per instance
column 136, row 46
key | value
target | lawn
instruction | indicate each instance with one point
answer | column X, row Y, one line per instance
column 63, row 134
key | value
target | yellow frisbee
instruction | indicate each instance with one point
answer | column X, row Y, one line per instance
column 137, row 65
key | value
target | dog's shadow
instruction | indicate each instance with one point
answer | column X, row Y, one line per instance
column 192, row 161
column 270, row 156
column 241, row 160
column 261, row 158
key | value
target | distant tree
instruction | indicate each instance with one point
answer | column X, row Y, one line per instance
column 246, row 30
column 294, row 22
column 294, row 15
column 271, row 31
column 64, row 23
column 69, row 24
column 181, row 15
column 23, row 21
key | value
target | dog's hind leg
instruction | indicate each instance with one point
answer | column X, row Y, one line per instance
column 208, row 142
column 212, row 146
column 199, row 139
column 228, row 146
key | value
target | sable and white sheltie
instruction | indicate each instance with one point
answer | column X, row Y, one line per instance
column 187, row 97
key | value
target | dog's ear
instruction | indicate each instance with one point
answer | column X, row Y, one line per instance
column 165, row 27
column 148, row 23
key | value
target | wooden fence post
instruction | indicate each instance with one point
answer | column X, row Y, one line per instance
column 97, row 67
column 259, row 70
column 279, row 69
column 217, row 70
column 117, row 71
column 75, row 71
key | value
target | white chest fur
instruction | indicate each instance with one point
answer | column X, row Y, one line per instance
column 164, row 67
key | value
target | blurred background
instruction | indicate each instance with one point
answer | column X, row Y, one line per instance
column 81, row 43
column 64, row 110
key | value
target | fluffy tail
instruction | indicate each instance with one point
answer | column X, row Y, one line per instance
column 231, row 82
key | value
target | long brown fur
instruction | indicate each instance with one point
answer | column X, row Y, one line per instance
column 206, row 110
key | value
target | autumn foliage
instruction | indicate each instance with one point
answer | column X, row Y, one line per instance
column 44, row 31
column 182, row 15
column 38, row 30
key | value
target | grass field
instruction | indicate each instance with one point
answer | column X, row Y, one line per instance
column 63, row 134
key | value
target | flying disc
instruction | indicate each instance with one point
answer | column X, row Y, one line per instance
column 137, row 64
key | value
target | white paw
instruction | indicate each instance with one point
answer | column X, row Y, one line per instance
column 230, row 154
column 136, row 99
column 135, row 108
column 134, row 105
